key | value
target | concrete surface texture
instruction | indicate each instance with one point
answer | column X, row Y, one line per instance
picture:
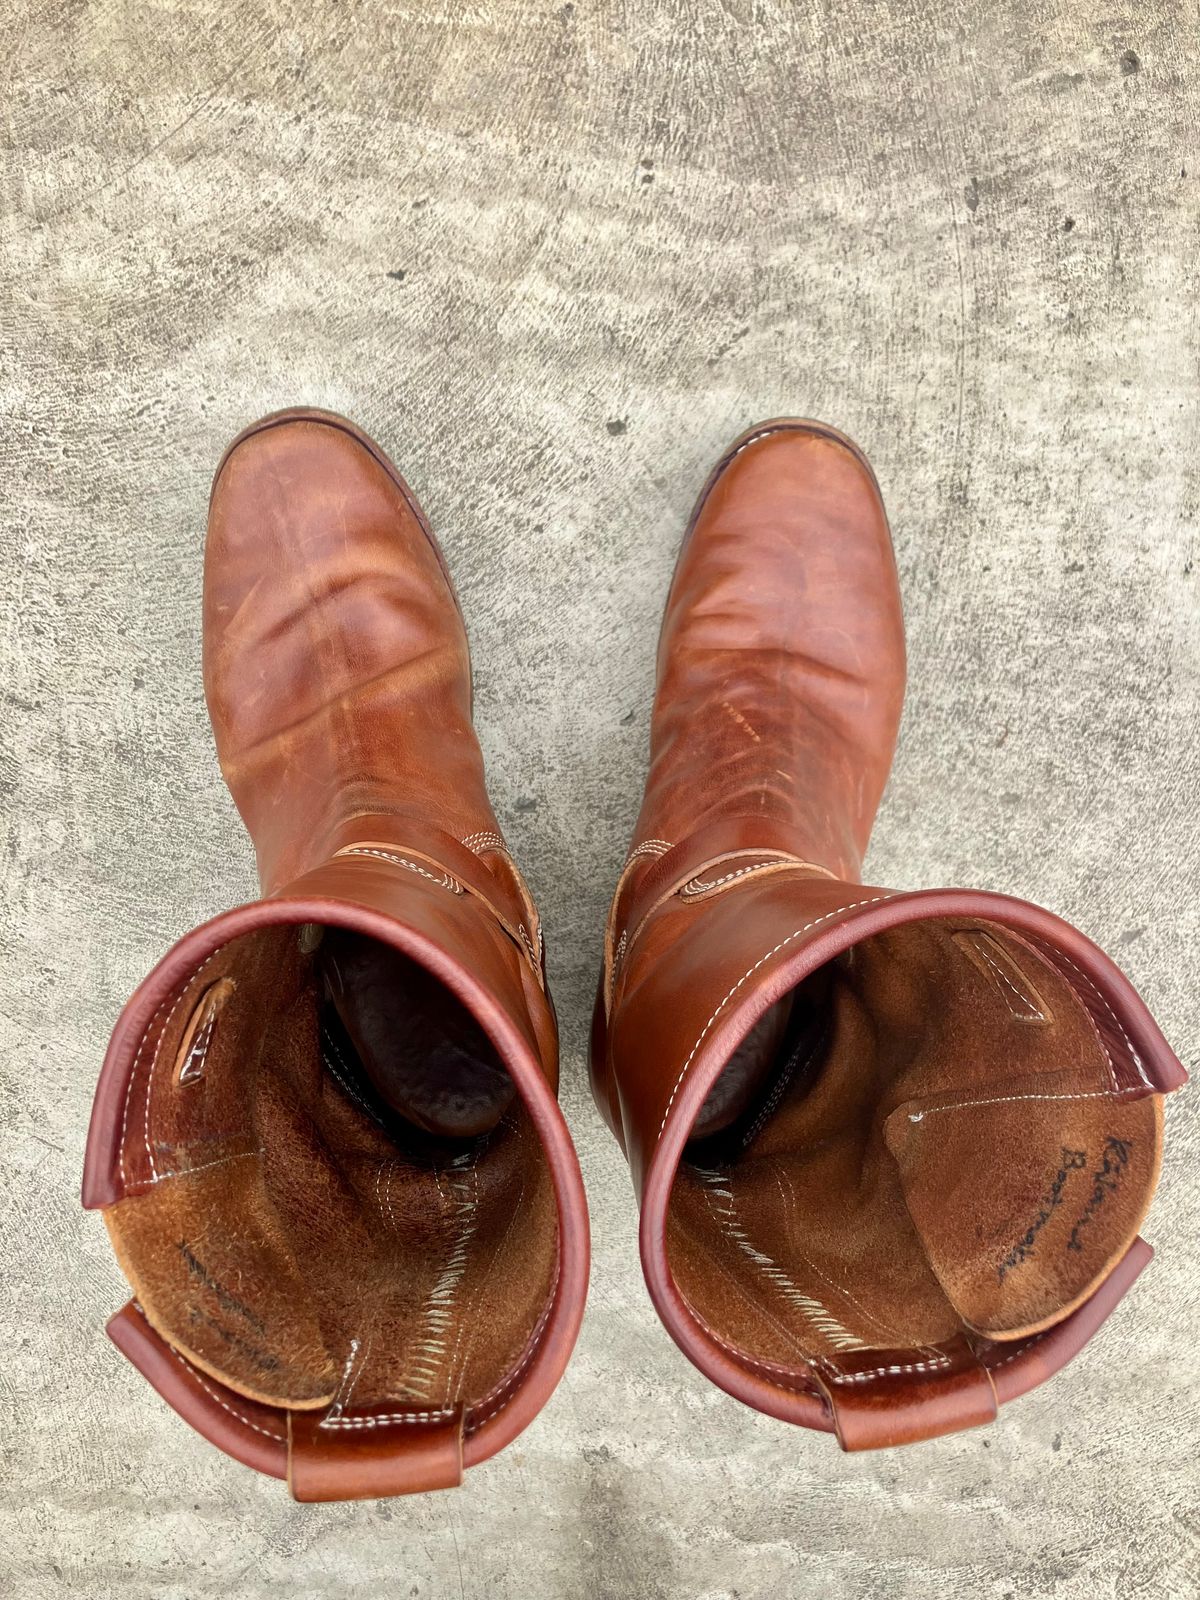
column 554, row 256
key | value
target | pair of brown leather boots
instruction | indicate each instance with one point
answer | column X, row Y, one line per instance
column 892, row 1149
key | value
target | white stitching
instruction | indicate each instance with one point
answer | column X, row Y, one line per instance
column 444, row 882
column 1006, row 1099
column 339, row 1406
column 887, row 1372
column 837, row 912
column 1029, row 1004
column 696, row 886
column 817, row 1314
column 225, row 1406
column 900, row 1339
column 193, row 1064
column 334, row 1417
column 985, row 955
column 478, row 843
column 343, row 1082
column 1053, row 953
column 132, row 1080
column 186, row 1172
column 745, row 1356
column 458, row 1368
column 649, row 847
column 462, row 1321
column 388, row 1191
column 803, row 1385
column 438, row 1313
column 759, row 433
column 1049, row 954
column 704, row 1241
column 187, row 983
column 509, row 1381
column 991, row 1366
column 383, row 1196
column 392, row 1417
column 344, row 1385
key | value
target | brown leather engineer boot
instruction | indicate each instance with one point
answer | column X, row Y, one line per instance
column 326, row 1138
column 892, row 1149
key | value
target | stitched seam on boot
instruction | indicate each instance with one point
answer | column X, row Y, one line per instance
column 426, row 1368
column 445, row 881
column 1054, row 955
column 448, row 881
column 186, row 1172
column 776, row 1373
column 508, row 1384
column 821, row 1319
column 987, row 956
column 474, row 1300
column 892, row 1371
column 799, row 1061
column 762, row 960
column 479, row 843
column 343, row 1077
column 335, row 1418
column 225, row 1406
column 1007, row 1099
column 649, row 847
column 1016, row 1355
column 899, row 1339
column 698, row 886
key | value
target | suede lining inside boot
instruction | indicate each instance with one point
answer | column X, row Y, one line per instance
column 947, row 1153
column 303, row 1241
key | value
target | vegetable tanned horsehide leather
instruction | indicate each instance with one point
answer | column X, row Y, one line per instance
column 326, row 1139
column 892, row 1149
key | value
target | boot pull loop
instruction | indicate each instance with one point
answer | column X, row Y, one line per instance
column 198, row 1034
column 901, row 1397
column 331, row 1456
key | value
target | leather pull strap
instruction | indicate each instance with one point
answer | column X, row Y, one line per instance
column 885, row 1399
column 371, row 1457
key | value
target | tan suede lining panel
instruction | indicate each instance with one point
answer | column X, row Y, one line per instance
column 957, row 1158
column 289, row 1246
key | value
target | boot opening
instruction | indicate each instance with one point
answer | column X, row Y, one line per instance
column 348, row 1202
column 926, row 1138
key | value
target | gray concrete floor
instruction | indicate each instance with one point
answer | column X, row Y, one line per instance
column 554, row 256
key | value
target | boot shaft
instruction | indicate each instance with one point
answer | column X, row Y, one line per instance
column 781, row 659
column 326, row 1138
column 891, row 1149
column 336, row 665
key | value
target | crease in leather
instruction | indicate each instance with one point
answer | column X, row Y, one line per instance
column 780, row 680
column 337, row 676
column 886, row 1398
